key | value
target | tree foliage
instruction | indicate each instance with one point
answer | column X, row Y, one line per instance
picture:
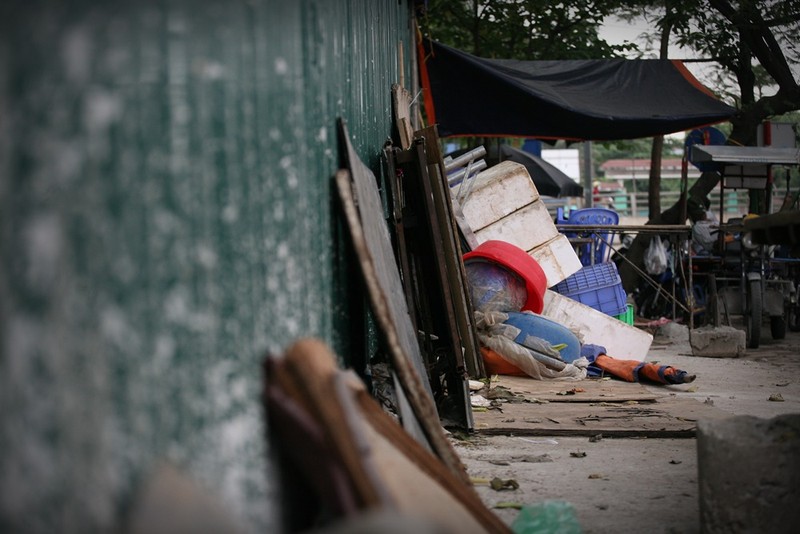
column 523, row 29
column 754, row 46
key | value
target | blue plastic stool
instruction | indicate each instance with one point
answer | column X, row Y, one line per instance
column 592, row 216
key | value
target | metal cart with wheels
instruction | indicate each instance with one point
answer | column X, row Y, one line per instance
column 750, row 281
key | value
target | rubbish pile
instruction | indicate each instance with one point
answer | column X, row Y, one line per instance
column 542, row 308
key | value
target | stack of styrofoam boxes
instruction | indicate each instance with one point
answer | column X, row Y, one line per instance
column 505, row 205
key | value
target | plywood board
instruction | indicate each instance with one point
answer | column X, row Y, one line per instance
column 363, row 212
column 401, row 101
column 589, row 407
column 669, row 417
column 593, row 390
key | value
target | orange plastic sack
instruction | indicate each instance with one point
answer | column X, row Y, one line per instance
column 497, row 365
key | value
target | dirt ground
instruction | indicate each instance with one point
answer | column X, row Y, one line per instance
column 629, row 484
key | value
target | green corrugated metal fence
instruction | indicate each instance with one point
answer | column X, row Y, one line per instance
column 165, row 218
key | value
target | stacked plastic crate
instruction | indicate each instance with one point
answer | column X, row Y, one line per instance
column 597, row 284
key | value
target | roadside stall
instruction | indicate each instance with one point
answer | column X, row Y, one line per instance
column 745, row 277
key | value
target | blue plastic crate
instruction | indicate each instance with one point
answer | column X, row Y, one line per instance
column 598, row 286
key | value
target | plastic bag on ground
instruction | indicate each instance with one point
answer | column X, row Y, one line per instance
column 548, row 517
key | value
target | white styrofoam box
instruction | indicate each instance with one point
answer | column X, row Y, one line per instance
column 557, row 259
column 622, row 341
column 526, row 228
column 498, row 191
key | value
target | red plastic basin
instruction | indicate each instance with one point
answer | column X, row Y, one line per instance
column 518, row 261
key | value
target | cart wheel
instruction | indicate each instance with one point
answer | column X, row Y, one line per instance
column 777, row 326
column 753, row 313
column 793, row 318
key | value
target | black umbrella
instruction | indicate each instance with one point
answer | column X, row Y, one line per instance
column 548, row 179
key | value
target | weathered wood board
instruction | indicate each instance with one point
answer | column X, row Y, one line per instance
column 363, row 212
column 612, row 408
column 595, row 390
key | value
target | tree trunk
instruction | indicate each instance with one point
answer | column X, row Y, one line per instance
column 654, row 185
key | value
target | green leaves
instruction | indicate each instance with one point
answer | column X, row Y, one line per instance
column 523, row 29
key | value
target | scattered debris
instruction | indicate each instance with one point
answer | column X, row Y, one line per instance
column 709, row 401
column 498, row 484
column 479, row 401
column 531, row 459
column 503, row 393
column 506, row 504
column 533, row 420
column 534, row 400
column 595, row 438
column 783, row 384
column 776, row 397
column 540, row 441
column 595, row 476
column 578, row 454
column 572, row 391
column 675, row 462
column 463, row 436
column 476, row 385
column 499, row 462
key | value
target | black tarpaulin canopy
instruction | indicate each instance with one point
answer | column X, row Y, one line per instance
column 600, row 99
